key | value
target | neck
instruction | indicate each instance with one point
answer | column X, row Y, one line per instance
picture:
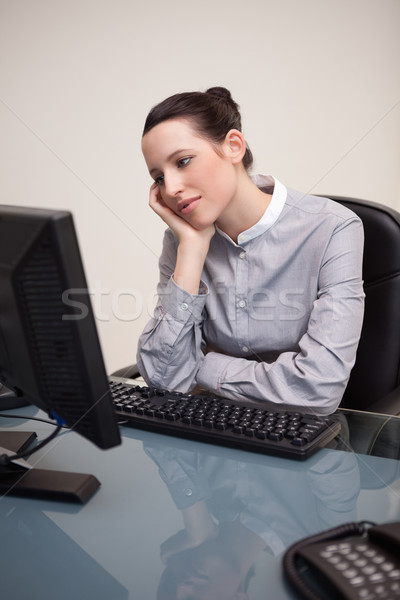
column 245, row 209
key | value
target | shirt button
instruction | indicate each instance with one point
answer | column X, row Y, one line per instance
column 242, row 254
column 184, row 306
column 245, row 349
column 188, row 492
column 242, row 303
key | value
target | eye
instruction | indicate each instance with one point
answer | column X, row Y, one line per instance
column 159, row 180
column 183, row 162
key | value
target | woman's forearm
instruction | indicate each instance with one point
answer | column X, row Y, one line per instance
column 189, row 265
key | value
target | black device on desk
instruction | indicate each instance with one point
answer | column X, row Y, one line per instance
column 49, row 349
column 264, row 427
column 349, row 562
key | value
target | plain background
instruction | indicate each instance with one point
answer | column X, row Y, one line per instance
column 318, row 82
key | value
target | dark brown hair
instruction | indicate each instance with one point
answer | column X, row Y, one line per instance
column 213, row 112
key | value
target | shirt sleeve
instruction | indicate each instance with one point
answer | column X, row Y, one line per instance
column 315, row 376
column 181, row 471
column 170, row 347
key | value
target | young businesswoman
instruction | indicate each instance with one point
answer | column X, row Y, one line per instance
column 260, row 291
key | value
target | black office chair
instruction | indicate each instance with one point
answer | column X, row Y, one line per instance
column 374, row 383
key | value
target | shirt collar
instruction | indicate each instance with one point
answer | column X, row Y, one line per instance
column 269, row 185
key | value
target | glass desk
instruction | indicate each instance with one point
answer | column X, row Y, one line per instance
column 181, row 519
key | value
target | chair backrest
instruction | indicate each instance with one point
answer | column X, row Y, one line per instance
column 377, row 369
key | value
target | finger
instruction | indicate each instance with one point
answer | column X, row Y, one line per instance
column 158, row 204
column 155, row 197
column 154, row 192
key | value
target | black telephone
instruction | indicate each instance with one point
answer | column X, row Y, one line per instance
column 356, row 561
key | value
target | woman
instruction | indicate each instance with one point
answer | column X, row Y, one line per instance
column 260, row 291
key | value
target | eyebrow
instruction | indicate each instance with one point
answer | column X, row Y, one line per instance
column 170, row 157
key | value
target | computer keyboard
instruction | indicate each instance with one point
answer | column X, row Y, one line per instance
column 266, row 428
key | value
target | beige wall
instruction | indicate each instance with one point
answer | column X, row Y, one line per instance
column 318, row 82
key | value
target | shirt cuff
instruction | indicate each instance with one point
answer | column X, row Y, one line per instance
column 188, row 491
column 210, row 375
column 181, row 305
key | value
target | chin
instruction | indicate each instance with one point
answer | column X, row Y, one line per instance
column 200, row 225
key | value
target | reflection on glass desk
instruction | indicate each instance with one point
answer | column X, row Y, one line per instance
column 181, row 519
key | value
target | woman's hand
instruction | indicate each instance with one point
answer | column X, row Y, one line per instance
column 193, row 243
column 182, row 229
column 160, row 208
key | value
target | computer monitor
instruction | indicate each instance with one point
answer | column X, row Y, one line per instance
column 49, row 348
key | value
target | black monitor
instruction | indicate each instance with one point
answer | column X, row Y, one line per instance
column 49, row 348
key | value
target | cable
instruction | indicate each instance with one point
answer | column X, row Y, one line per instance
column 29, row 418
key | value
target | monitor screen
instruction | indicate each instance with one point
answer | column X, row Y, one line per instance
column 49, row 348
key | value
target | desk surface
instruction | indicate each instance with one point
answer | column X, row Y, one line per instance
column 161, row 497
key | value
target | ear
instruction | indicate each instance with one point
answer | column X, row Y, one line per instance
column 235, row 146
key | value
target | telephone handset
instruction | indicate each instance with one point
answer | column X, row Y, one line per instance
column 356, row 561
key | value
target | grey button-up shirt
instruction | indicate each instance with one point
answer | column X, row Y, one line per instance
column 278, row 315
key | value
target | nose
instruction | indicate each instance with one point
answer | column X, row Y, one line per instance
column 173, row 185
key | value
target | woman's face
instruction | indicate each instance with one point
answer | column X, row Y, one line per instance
column 196, row 178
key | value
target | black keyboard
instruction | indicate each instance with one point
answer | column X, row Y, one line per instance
column 267, row 428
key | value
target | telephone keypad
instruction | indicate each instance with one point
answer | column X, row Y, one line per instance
column 364, row 570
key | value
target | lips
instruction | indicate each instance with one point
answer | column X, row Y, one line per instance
column 188, row 205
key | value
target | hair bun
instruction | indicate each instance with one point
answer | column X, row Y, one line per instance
column 220, row 92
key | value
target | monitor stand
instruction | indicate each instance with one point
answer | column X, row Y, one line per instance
column 9, row 400
column 19, row 479
column 17, row 441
